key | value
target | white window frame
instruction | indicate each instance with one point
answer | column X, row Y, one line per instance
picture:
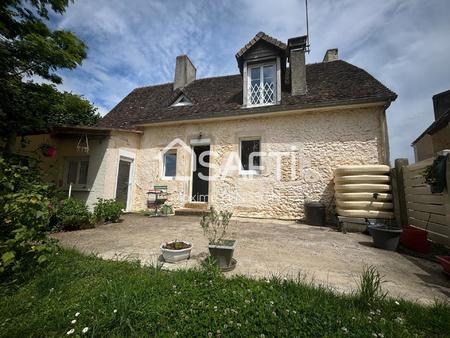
column 252, row 172
column 169, row 152
column 261, row 79
column 79, row 159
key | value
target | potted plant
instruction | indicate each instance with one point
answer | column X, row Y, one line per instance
column 167, row 210
column 176, row 251
column 214, row 225
column 48, row 150
column 386, row 236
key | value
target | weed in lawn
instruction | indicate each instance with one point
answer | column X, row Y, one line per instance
column 210, row 267
column 369, row 289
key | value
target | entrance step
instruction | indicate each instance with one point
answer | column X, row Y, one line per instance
column 197, row 206
column 189, row 212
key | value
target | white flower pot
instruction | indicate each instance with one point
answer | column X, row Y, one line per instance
column 173, row 256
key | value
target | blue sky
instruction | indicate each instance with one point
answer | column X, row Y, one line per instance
column 403, row 43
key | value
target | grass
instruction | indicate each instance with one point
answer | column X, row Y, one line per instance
column 370, row 289
column 119, row 299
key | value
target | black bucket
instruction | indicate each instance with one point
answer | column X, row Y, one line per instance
column 386, row 237
column 315, row 213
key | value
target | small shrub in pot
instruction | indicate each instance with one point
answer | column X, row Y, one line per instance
column 176, row 251
column 167, row 210
column 215, row 225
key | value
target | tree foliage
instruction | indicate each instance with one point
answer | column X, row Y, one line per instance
column 29, row 49
column 25, row 211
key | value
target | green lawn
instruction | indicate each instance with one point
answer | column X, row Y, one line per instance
column 123, row 299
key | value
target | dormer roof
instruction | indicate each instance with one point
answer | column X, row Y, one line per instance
column 258, row 37
column 261, row 46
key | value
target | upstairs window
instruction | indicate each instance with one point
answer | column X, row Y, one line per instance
column 262, row 85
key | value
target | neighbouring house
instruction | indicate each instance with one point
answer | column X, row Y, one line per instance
column 270, row 135
column 437, row 136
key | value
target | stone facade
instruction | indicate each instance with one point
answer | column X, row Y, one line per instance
column 300, row 150
column 307, row 145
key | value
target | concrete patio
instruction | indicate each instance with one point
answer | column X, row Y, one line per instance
column 266, row 248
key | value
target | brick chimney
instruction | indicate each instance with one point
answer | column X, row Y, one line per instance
column 296, row 54
column 331, row 55
column 185, row 72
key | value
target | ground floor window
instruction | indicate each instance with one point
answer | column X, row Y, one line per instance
column 170, row 163
column 76, row 172
column 249, row 152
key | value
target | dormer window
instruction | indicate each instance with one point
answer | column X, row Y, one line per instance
column 262, row 84
column 182, row 101
column 262, row 63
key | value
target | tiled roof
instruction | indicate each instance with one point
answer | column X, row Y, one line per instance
column 329, row 84
column 260, row 36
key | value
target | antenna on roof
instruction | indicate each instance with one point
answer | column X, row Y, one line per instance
column 307, row 27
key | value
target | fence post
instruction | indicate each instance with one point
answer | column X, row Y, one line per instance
column 398, row 191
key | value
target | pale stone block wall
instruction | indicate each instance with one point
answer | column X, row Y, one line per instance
column 306, row 146
column 314, row 144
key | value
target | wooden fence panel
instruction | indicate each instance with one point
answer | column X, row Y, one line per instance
column 425, row 210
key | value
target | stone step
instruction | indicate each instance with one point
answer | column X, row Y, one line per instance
column 196, row 205
column 189, row 212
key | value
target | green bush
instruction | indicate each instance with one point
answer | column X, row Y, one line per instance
column 108, row 210
column 73, row 214
column 25, row 211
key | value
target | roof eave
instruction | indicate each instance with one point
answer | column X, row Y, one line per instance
column 101, row 131
column 277, row 108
